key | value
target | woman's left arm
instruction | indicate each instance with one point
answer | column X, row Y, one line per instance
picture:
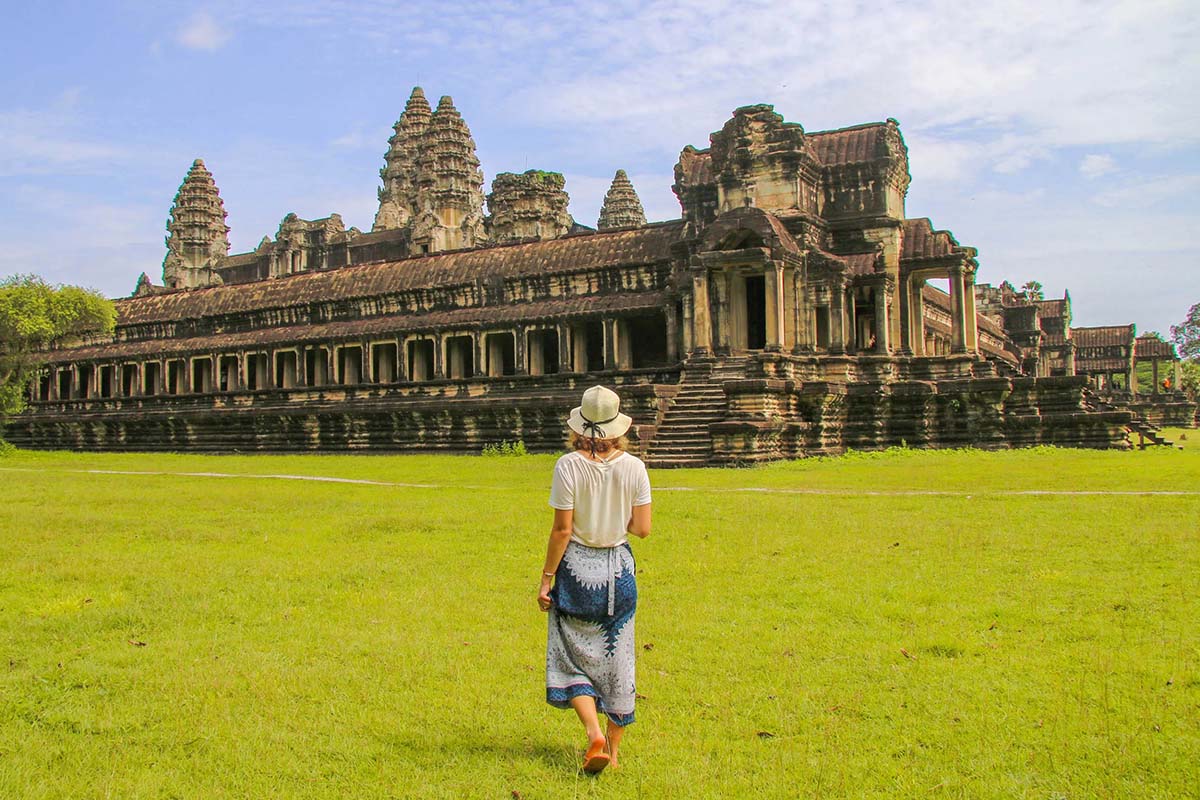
column 560, row 536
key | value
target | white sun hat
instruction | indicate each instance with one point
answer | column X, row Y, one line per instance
column 599, row 416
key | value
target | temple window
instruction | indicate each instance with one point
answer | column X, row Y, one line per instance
column 350, row 364
column 176, row 371
column 460, row 357
column 383, row 362
column 202, row 375
column 542, row 351
column 106, row 380
column 420, row 359
column 500, row 354
column 151, row 377
column 129, row 380
column 85, row 380
column 648, row 337
column 228, row 378
column 256, row 371
column 285, row 369
column 822, row 324
column 44, row 386
column 316, row 366
column 756, row 312
column 64, row 384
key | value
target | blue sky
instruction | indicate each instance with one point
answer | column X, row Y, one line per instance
column 1060, row 139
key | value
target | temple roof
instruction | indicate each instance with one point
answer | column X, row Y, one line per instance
column 1103, row 336
column 637, row 246
column 849, row 145
column 920, row 240
column 1051, row 308
column 1150, row 346
column 384, row 326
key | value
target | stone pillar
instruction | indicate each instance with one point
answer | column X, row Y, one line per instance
column 564, row 348
column 970, row 313
column 852, row 320
column 535, row 352
column 579, row 360
column 773, row 284
column 480, row 345
column 439, row 357
column 701, row 314
column 686, row 342
column 905, row 295
column 611, row 354
column 916, row 312
column 624, row 344
column 723, row 321
column 837, row 317
column 671, row 317
column 882, row 329
column 958, row 319
column 1175, row 370
column 802, row 340
column 519, row 350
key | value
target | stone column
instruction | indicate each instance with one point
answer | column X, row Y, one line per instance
column 701, row 314
column 439, row 356
column 564, row 348
column 687, row 343
column 773, row 284
column 958, row 319
column 480, row 345
column 610, row 344
column 579, row 360
column 905, row 294
column 970, row 313
column 520, row 343
column 916, row 312
column 671, row 315
column 535, row 351
column 800, row 310
column 837, row 317
column 882, row 329
column 723, row 321
column 852, row 319
column 1175, row 369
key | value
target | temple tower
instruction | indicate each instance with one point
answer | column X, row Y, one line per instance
column 398, row 196
column 198, row 238
column 622, row 208
column 532, row 205
column 449, row 185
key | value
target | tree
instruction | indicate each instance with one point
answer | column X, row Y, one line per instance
column 35, row 316
column 1186, row 335
column 1189, row 377
column 1033, row 290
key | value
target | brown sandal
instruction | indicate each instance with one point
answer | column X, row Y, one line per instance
column 596, row 759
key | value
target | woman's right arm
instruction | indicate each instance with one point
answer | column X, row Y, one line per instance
column 639, row 521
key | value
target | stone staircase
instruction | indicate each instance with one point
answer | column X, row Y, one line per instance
column 683, row 438
column 1148, row 435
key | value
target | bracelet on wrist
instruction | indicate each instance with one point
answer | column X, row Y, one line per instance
column 547, row 574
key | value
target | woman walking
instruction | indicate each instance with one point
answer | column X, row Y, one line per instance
column 600, row 495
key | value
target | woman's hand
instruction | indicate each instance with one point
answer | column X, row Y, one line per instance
column 544, row 594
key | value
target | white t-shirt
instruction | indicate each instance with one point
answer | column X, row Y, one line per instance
column 601, row 494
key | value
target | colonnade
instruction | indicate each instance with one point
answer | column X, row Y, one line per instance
column 572, row 346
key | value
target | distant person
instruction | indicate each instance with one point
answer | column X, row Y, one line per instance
column 600, row 494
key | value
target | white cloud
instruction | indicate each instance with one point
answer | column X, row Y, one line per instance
column 1093, row 165
column 52, row 141
column 201, row 32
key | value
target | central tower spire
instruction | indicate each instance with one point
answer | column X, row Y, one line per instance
column 198, row 238
column 398, row 196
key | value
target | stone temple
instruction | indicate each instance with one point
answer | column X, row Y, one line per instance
column 787, row 312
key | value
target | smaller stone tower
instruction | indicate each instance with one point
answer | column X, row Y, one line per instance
column 622, row 208
column 398, row 196
column 532, row 205
column 449, row 185
column 198, row 238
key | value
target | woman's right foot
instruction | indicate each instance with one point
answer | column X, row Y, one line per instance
column 597, row 757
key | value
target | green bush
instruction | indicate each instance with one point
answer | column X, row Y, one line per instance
column 505, row 448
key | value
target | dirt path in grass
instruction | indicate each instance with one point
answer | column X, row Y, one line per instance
column 702, row 489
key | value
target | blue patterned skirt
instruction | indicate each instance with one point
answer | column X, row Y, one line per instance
column 589, row 647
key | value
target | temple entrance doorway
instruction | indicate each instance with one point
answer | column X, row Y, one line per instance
column 542, row 351
column 383, row 362
column 129, row 379
column 316, row 366
column 501, row 354
column 756, row 312
column 648, row 337
column 460, row 357
column 420, row 359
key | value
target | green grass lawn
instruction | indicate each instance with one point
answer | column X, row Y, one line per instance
column 906, row 624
